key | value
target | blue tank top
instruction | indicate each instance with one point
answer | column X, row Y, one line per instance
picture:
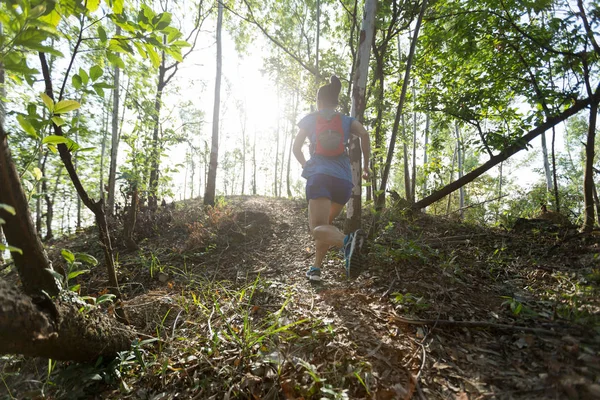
column 339, row 166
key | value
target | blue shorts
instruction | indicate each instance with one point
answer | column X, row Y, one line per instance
column 321, row 185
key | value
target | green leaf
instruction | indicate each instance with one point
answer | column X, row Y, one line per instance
column 86, row 258
column 117, row 6
column 120, row 44
column 154, row 57
column 58, row 121
column 75, row 274
column 84, row 76
column 12, row 249
column 52, row 148
column 64, row 106
column 55, row 139
column 67, row 255
column 108, row 297
column 96, row 72
column 55, row 274
column 37, row 173
column 115, row 60
column 2, row 221
column 76, row 81
column 92, row 5
column 48, row 102
column 75, row 288
column 102, row 34
column 162, row 20
column 98, row 89
column 8, row 209
column 52, row 19
column 27, row 127
column 85, row 149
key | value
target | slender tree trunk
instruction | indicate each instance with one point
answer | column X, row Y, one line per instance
column 597, row 202
column 282, row 163
column 209, row 196
column 96, row 207
column 407, row 184
column 399, row 110
column 50, row 203
column 359, row 82
column 254, row 165
column 276, row 160
column 103, row 149
column 427, row 121
column 377, row 159
column 156, row 153
column 414, row 147
column 451, row 177
column 31, row 261
column 114, row 149
column 38, row 190
column 547, row 172
column 460, row 158
column 244, row 157
column 500, row 183
column 555, row 178
column 588, row 175
column 317, row 74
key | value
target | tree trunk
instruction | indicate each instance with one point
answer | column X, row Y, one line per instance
column 588, row 175
column 97, row 208
column 399, row 110
column 507, row 152
column 555, row 178
column 547, row 173
column 451, row 179
column 114, row 149
column 31, row 261
column 39, row 190
column 407, row 184
column 254, row 165
column 244, row 156
column 209, row 196
column 103, row 150
column 500, row 183
column 57, row 329
column 359, row 83
column 275, row 193
column 377, row 159
column 50, row 203
column 597, row 202
column 129, row 226
column 156, row 152
column 414, row 149
column 427, row 121
column 460, row 157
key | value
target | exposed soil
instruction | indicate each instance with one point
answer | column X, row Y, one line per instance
column 435, row 314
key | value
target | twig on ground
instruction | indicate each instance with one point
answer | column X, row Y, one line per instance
column 472, row 324
column 389, row 290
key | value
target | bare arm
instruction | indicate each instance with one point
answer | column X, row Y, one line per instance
column 297, row 147
column 357, row 129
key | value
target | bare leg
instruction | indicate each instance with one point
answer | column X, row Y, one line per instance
column 336, row 209
column 325, row 235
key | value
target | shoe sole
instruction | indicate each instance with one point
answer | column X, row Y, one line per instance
column 356, row 248
column 314, row 278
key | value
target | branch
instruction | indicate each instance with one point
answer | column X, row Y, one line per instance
column 79, row 38
column 271, row 38
column 508, row 152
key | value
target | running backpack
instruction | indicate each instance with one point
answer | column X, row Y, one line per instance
column 329, row 135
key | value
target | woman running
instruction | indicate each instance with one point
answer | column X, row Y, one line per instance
column 328, row 176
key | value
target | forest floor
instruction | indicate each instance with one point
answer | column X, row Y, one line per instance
column 442, row 310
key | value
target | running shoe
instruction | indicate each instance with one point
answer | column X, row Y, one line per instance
column 313, row 274
column 353, row 247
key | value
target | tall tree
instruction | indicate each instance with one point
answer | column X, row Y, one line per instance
column 209, row 195
column 359, row 83
column 114, row 149
column 400, row 108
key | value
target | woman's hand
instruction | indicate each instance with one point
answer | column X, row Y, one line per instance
column 366, row 172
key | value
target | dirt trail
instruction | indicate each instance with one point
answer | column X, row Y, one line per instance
column 226, row 293
column 470, row 280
